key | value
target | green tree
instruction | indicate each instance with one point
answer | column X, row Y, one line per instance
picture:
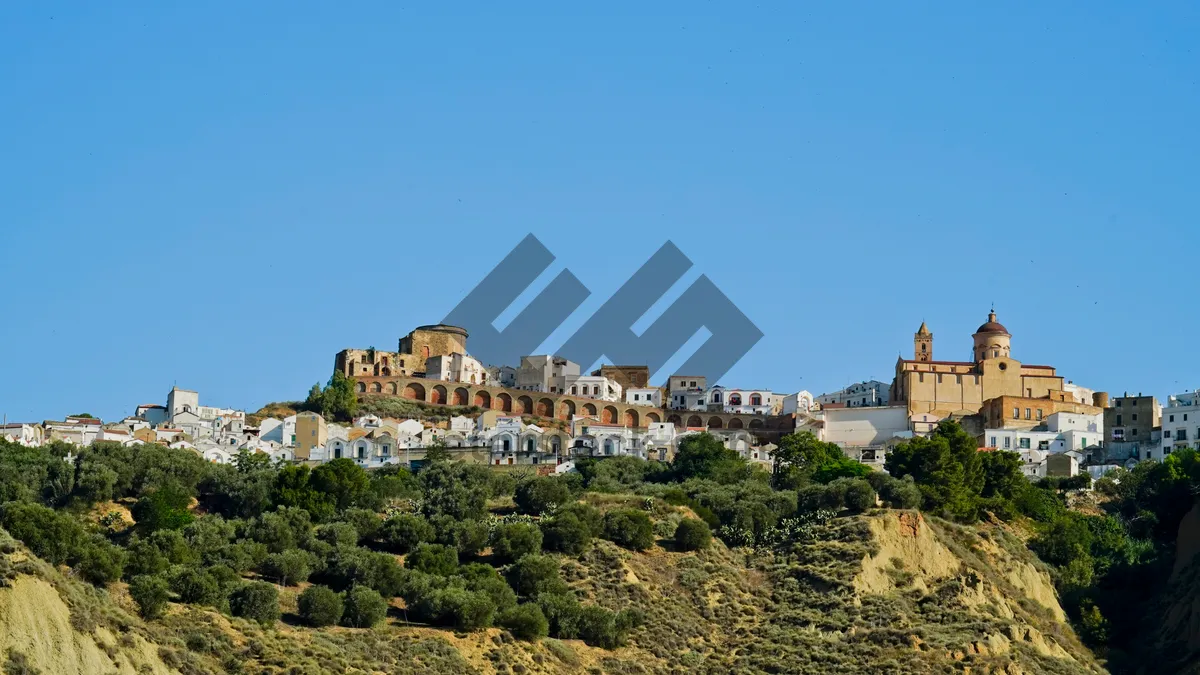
column 526, row 622
column 256, row 601
column 151, row 593
column 433, row 559
column 535, row 574
column 860, row 496
column 629, row 528
column 364, row 607
column 566, row 533
column 937, row 467
column 365, row 522
column 320, row 606
column 197, row 586
column 437, row 452
column 288, row 568
column 337, row 534
column 705, row 456
column 339, row 401
column 512, row 541
column 1002, row 477
column 406, row 531
column 692, row 534
column 799, row 456
column 294, row 488
column 541, row 494
column 344, row 481
column 163, row 508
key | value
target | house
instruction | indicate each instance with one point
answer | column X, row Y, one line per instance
column 688, row 392
column 649, row 396
column 590, row 386
column 501, row 376
column 29, row 435
column 748, row 401
column 312, row 432
column 861, row 394
column 1180, row 421
column 455, row 367
column 801, row 401
column 153, row 414
column 542, row 373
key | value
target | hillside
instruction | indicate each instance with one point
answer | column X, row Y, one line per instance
column 890, row 591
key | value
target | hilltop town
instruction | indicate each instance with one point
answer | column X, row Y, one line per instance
column 546, row 412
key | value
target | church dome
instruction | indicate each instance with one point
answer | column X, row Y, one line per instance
column 992, row 326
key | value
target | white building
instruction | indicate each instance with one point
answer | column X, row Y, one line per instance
column 651, row 396
column 1180, row 423
column 748, row 401
column 865, row 426
column 688, row 392
column 800, row 402
column 501, row 376
column 153, row 413
column 540, row 373
column 1062, row 432
column 77, row 430
column 456, row 367
column 591, row 386
column 862, row 394
column 282, row 431
column 29, row 435
column 1080, row 394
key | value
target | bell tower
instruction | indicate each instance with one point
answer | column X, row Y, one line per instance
column 923, row 344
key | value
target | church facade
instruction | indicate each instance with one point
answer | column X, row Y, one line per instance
column 959, row 388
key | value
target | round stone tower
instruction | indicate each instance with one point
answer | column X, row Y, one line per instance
column 992, row 340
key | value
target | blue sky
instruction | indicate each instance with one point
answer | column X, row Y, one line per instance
column 222, row 195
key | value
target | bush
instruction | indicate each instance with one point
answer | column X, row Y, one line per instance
column 692, row 535
column 365, row 522
column 433, row 559
column 630, row 529
column 196, row 586
column 365, row 607
column 407, row 531
column 164, row 508
column 535, row 574
column 859, row 495
column 256, row 601
column 527, row 622
column 320, row 606
column 512, row 541
column 605, row 628
column 565, row 532
column 562, row 613
column 151, row 593
column 289, row 568
column 586, row 513
column 541, row 494
column 485, row 579
column 896, row 493
column 100, row 562
column 465, row 610
column 338, row 534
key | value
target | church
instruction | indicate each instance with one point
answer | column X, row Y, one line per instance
column 960, row 388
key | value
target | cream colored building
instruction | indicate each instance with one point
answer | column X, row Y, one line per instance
column 945, row 388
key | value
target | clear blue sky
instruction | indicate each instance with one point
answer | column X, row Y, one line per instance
column 223, row 195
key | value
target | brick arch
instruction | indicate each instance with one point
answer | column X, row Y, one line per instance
column 376, row 388
column 460, row 396
column 653, row 417
column 502, row 402
column 525, row 405
column 414, row 391
column 589, row 409
column 438, row 395
column 567, row 410
column 631, row 418
column 545, row 408
column 756, row 424
column 362, row 387
column 735, row 423
column 714, row 422
column 608, row 415
column 695, row 421
column 393, row 388
column 483, row 399
column 676, row 420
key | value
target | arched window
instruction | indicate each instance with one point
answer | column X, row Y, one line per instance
column 608, row 446
column 529, row 445
column 755, row 399
column 735, row 399
column 362, row 387
column 555, row 444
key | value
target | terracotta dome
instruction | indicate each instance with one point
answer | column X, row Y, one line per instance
column 992, row 326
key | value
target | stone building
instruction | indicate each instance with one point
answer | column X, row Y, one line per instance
column 409, row 359
column 629, row 377
column 959, row 388
column 1131, row 419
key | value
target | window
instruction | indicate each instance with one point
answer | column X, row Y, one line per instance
column 1028, row 414
column 939, row 378
column 574, row 388
column 294, row 438
column 920, row 377
column 1082, row 443
column 1023, row 443
column 1182, row 435
column 1166, row 433
column 1118, row 403
column 995, row 353
column 1017, row 414
column 1133, row 433
column 528, row 445
column 387, row 450
column 1184, row 417
column 1172, row 418
column 1007, row 442
column 993, row 443
column 1039, row 413
column 506, row 445
column 1118, row 420
column 1043, row 445
column 596, row 390
column 691, row 384
column 1134, row 416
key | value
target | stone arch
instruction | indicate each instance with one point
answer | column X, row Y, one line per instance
column 567, row 410
column 653, row 418
column 438, row 395
column 525, row 405
column 460, row 396
column 676, row 420
column 695, row 421
column 631, row 418
column 393, row 388
column 362, row 388
column 414, row 391
column 376, row 388
column 756, row 424
column 715, row 422
column 545, row 408
column 608, row 415
column 735, row 399
column 502, row 402
column 483, row 400
column 589, row 409
column 735, row 423
column 755, row 399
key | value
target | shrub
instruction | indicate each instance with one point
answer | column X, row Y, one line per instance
column 197, row 586
column 164, row 508
column 143, row 557
column 320, row 606
column 692, row 535
column 100, row 562
column 288, row 568
column 338, row 534
column 587, row 514
column 151, row 594
column 604, row 628
column 630, row 529
column 257, row 601
column 465, row 610
column 535, row 574
column 407, row 531
column 565, row 532
column 364, row 608
column 562, row 613
column 527, row 622
column 541, row 494
column 433, row 559
column 365, row 522
column 512, row 541
column 485, row 579
column 896, row 493
column 859, row 495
